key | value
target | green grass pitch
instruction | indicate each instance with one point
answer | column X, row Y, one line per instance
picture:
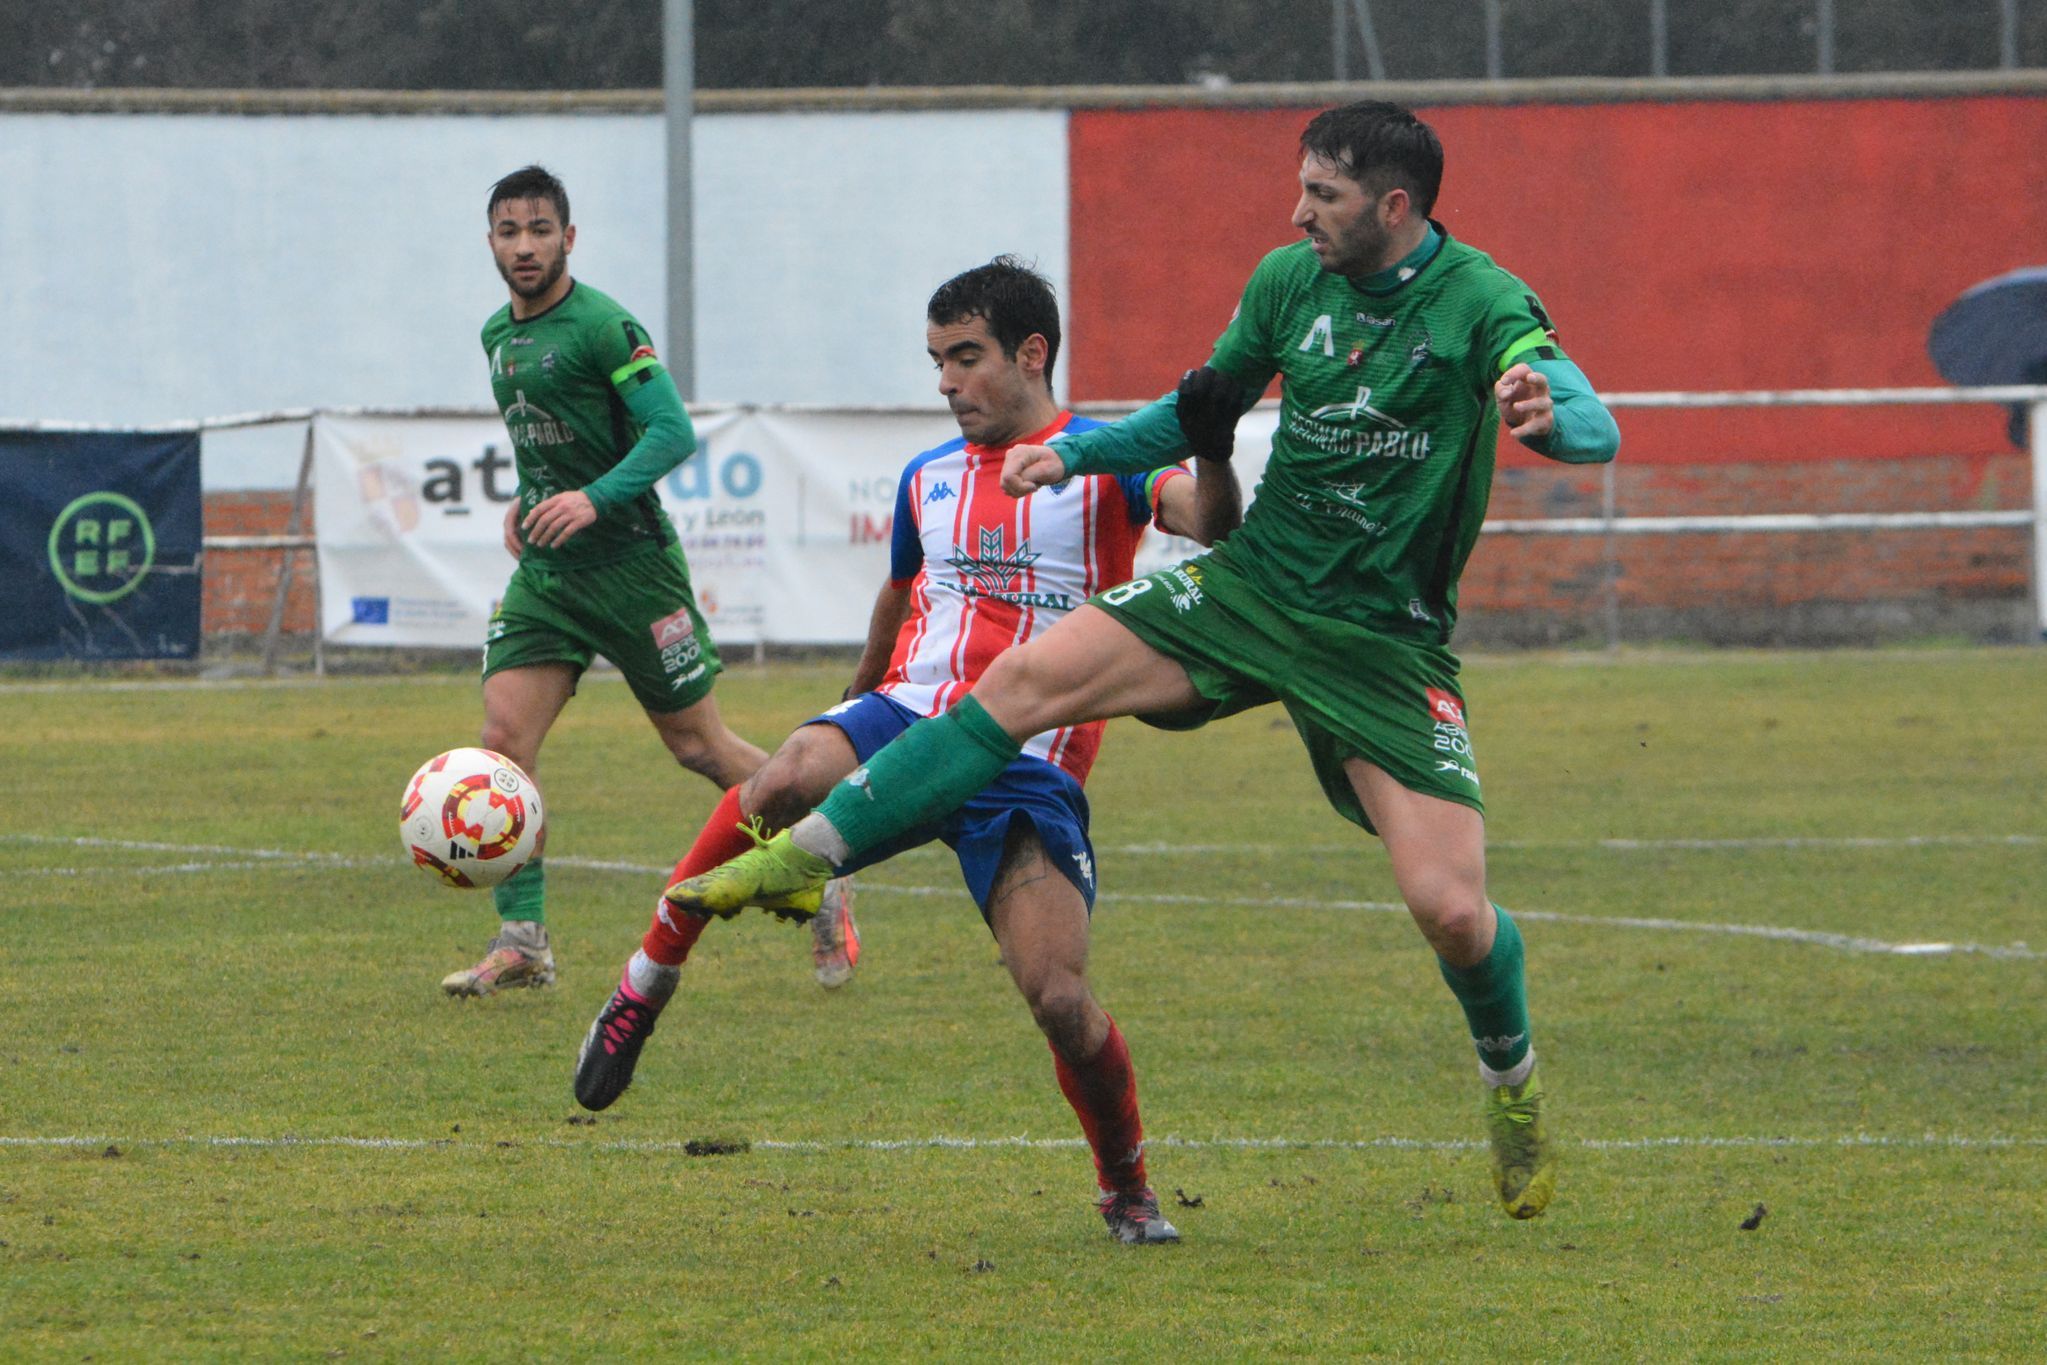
column 238, row 1120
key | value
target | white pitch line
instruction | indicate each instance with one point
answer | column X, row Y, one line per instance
column 285, row 859
column 1927, row 1141
column 1820, row 842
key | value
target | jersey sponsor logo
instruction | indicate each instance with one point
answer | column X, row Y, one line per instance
column 1359, row 407
column 1370, row 321
column 1357, row 429
column 1446, row 706
column 1452, row 741
column 1188, row 595
column 1322, row 331
column 533, row 426
column 676, row 637
column 669, row 629
column 940, row 491
column 1345, row 502
column 994, row 571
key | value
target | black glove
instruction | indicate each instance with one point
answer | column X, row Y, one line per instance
column 1209, row 403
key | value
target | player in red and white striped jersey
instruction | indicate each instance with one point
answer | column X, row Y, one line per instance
column 973, row 572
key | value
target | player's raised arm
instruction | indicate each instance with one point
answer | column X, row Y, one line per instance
column 1207, row 405
column 1549, row 406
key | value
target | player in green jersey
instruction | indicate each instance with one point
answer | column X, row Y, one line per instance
column 1401, row 350
column 595, row 422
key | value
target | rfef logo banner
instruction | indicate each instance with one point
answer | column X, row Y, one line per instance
column 99, row 545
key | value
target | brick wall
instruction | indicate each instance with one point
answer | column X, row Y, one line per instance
column 241, row 585
column 1756, row 587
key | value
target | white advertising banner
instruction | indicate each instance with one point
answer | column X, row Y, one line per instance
column 784, row 514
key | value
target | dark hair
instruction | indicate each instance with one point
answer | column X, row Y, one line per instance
column 530, row 182
column 1379, row 145
column 1011, row 297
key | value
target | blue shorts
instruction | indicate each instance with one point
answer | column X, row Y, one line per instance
column 1028, row 789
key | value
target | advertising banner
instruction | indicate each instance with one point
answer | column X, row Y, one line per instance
column 784, row 514
column 99, row 545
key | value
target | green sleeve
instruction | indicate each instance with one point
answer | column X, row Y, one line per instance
column 666, row 440
column 1150, row 438
column 1519, row 332
column 622, row 352
column 1585, row 431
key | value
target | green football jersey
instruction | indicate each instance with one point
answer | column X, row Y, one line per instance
column 560, row 379
column 1383, row 459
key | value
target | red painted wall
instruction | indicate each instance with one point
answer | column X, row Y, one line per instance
column 1782, row 244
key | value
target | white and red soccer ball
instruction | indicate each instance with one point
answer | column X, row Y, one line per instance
column 472, row 818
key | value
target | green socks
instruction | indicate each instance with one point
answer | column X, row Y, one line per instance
column 524, row 896
column 1494, row 994
column 928, row 771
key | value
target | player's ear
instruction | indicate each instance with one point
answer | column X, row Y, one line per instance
column 1031, row 353
column 1395, row 206
column 568, row 239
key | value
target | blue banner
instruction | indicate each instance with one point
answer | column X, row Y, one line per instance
column 99, row 545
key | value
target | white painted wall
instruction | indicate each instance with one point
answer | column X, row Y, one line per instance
column 160, row 267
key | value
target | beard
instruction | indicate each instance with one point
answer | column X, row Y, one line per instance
column 549, row 274
column 1361, row 250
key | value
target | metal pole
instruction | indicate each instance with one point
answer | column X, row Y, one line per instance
column 1375, row 64
column 679, row 85
column 1495, row 64
column 1339, row 41
column 284, row 572
column 1823, row 21
column 1659, row 37
column 2008, row 35
column 2037, row 437
column 1611, row 568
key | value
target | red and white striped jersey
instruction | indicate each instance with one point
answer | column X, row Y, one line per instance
column 987, row 571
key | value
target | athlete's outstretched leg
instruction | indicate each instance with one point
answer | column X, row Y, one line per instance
column 1437, row 848
column 1041, row 923
column 520, row 706
column 1087, row 667
column 804, row 766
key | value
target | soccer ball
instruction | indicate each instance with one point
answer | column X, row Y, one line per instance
column 471, row 818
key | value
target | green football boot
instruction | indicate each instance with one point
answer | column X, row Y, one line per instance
column 775, row 875
column 1524, row 1164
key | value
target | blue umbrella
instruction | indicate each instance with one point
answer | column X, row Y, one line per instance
column 1996, row 333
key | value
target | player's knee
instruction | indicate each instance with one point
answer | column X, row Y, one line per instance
column 775, row 797
column 1061, row 1004
column 504, row 737
column 1452, row 915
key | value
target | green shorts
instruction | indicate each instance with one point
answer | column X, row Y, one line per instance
column 637, row 612
column 1352, row 692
